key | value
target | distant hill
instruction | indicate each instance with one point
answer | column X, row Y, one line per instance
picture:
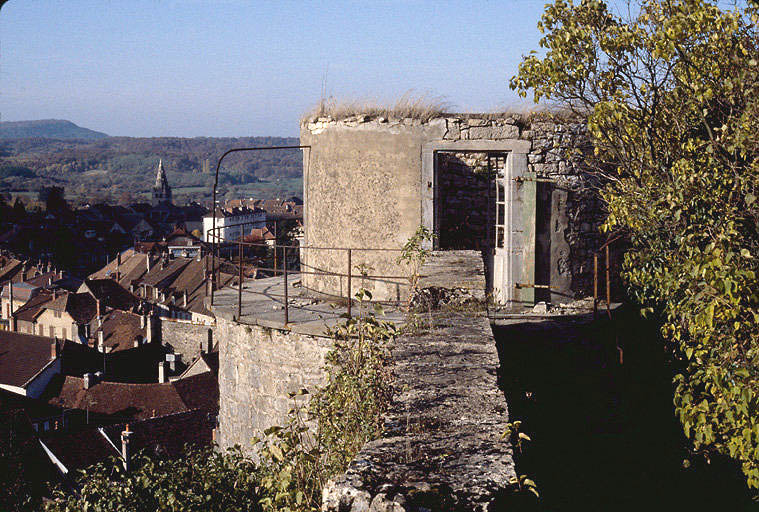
column 47, row 128
column 121, row 166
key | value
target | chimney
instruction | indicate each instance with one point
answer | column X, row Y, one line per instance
column 184, row 299
column 101, row 341
column 136, row 341
column 209, row 283
column 118, row 260
column 209, row 342
column 97, row 312
column 49, row 266
column 147, row 261
column 161, row 372
column 60, row 274
column 126, row 453
column 149, row 329
column 55, row 293
column 143, row 321
column 54, row 349
column 98, row 376
column 50, row 281
column 172, row 360
column 131, row 288
column 89, row 380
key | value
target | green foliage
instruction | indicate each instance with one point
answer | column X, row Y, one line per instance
column 320, row 440
column 21, row 473
column 413, row 255
column 671, row 97
column 10, row 170
column 523, row 483
column 202, row 480
column 516, row 436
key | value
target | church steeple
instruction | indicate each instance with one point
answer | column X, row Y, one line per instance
column 161, row 189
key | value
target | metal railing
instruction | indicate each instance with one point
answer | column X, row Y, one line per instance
column 282, row 266
column 605, row 248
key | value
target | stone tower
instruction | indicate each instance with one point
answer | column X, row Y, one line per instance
column 161, row 189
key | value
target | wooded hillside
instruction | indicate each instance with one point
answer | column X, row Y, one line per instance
column 121, row 166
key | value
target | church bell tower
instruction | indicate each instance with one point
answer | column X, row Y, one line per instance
column 161, row 189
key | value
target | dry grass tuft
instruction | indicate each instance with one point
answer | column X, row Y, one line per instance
column 409, row 105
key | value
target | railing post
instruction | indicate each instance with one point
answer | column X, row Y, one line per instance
column 239, row 283
column 284, row 265
column 213, row 252
column 608, row 283
column 350, row 294
column 595, row 285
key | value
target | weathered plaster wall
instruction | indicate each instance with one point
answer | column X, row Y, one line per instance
column 362, row 189
column 258, row 367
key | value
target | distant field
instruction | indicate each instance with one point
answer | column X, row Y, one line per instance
column 189, row 190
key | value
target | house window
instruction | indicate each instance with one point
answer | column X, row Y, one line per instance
column 46, row 426
column 63, row 330
column 51, row 333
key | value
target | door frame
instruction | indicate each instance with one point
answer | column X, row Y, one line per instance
column 517, row 151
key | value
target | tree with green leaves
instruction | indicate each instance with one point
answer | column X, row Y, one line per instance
column 670, row 91
column 200, row 481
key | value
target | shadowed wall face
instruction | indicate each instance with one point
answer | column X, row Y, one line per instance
column 466, row 192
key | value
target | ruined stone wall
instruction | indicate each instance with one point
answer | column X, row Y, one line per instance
column 571, row 212
column 258, row 367
column 364, row 187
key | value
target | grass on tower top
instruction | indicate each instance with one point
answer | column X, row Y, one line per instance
column 408, row 106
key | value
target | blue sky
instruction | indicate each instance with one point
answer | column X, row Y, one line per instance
column 233, row 68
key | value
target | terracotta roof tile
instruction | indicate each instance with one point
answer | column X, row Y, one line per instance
column 126, row 402
column 158, row 275
column 132, row 268
column 22, row 356
column 199, row 391
column 29, row 311
column 111, row 294
column 81, row 306
column 116, row 400
column 120, row 329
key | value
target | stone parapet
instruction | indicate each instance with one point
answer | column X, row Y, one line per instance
column 258, row 367
column 442, row 446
